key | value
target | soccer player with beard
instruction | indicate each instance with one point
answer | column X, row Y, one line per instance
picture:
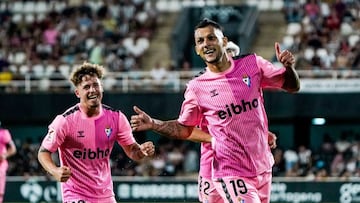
column 206, row 189
column 84, row 135
column 227, row 99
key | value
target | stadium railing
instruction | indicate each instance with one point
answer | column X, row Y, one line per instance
column 175, row 81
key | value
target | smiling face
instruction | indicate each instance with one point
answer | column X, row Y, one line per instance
column 90, row 92
column 209, row 44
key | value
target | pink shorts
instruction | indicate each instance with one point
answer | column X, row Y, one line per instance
column 107, row 200
column 207, row 191
column 2, row 182
column 245, row 189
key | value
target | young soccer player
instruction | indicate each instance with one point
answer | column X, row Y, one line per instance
column 84, row 135
column 227, row 99
column 7, row 149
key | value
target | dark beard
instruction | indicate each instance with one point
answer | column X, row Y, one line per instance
column 215, row 61
column 95, row 105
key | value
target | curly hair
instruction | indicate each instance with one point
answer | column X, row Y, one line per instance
column 86, row 69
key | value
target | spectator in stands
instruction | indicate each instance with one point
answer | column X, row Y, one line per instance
column 291, row 162
column 312, row 10
column 279, row 165
column 84, row 136
column 7, row 149
column 333, row 21
column 355, row 62
column 6, row 13
column 58, row 81
column 292, row 11
column 343, row 143
column 158, row 76
column 305, row 160
column 5, row 78
column 97, row 53
column 75, row 27
column 191, row 160
column 136, row 44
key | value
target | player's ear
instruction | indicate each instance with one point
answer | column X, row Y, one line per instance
column 76, row 91
column 196, row 50
column 225, row 41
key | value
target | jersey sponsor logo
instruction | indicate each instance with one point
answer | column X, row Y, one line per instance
column 90, row 154
column 235, row 109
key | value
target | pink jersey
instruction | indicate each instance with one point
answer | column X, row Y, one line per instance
column 85, row 145
column 206, row 154
column 5, row 138
column 231, row 103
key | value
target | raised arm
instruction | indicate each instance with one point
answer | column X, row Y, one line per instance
column 292, row 81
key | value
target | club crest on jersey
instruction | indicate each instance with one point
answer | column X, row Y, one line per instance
column 108, row 131
column 246, row 80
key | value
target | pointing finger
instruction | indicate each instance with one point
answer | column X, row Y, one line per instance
column 137, row 110
column 277, row 50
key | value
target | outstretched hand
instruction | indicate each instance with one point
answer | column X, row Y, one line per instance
column 285, row 57
column 141, row 121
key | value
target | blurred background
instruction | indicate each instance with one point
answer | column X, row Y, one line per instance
column 148, row 50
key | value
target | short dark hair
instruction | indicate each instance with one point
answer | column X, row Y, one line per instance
column 207, row 22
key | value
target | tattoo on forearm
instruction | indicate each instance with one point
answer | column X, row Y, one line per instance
column 136, row 151
column 171, row 129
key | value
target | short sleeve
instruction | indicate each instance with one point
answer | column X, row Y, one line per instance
column 6, row 136
column 55, row 135
column 125, row 135
column 272, row 76
column 190, row 114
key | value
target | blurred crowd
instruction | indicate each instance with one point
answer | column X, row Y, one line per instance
column 324, row 34
column 333, row 158
column 46, row 38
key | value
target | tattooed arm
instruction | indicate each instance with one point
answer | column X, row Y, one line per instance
column 137, row 151
column 171, row 129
